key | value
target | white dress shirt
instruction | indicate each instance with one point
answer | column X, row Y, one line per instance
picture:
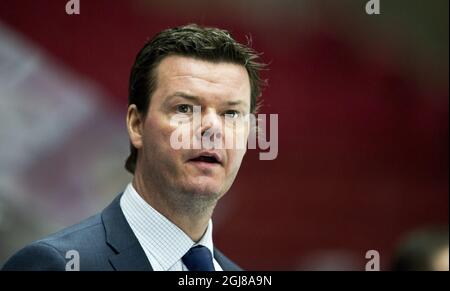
column 164, row 243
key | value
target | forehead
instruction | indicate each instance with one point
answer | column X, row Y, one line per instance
column 220, row 81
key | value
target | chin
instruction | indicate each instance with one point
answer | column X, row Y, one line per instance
column 205, row 189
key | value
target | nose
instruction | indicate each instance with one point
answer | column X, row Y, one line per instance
column 211, row 125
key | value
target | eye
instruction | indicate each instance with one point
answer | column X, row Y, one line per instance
column 184, row 108
column 232, row 114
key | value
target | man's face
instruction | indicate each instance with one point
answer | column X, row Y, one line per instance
column 182, row 82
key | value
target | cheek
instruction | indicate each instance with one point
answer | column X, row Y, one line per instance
column 157, row 138
column 235, row 159
column 159, row 127
column 236, row 137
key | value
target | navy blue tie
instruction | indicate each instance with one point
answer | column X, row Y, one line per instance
column 198, row 258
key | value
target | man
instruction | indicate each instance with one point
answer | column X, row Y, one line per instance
column 162, row 221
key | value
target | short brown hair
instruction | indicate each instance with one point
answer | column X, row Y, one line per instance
column 205, row 43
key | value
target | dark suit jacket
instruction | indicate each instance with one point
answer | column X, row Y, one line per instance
column 105, row 242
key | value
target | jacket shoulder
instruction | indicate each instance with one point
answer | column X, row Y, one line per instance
column 87, row 238
column 37, row 256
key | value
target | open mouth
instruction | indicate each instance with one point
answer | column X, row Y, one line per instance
column 206, row 159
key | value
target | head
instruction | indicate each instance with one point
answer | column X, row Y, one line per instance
column 176, row 70
column 423, row 250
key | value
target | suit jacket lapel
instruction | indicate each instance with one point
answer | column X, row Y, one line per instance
column 224, row 262
column 128, row 253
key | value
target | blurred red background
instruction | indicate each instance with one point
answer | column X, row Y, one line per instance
column 363, row 119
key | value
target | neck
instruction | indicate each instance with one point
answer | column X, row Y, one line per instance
column 192, row 219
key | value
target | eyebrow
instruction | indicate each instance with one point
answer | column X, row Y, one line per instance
column 196, row 98
column 183, row 95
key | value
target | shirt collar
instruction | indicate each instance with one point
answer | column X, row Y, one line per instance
column 157, row 234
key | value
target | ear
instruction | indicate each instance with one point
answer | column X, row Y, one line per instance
column 135, row 125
